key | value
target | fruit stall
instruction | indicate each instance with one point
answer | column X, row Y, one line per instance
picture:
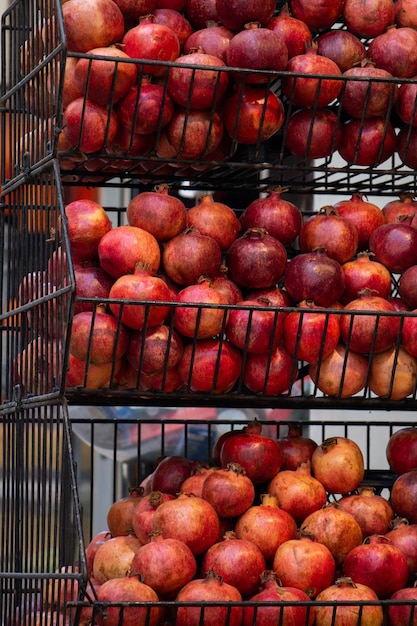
column 166, row 250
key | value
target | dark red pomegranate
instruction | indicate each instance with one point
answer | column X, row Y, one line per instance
column 313, row 133
column 259, row 455
column 362, row 273
column 403, row 536
column 342, row 47
column 235, row 15
column 229, row 490
column 314, row 276
column 255, row 327
column 295, row 448
column 369, row 142
column 401, row 450
column 294, row 32
column 403, row 496
column 371, row 98
column 395, row 51
column 365, row 215
column 190, row 255
column 395, row 245
column 404, row 205
column 372, row 511
column 170, row 473
column 213, row 39
column 368, row 18
column 256, row 259
column 318, row 16
column 278, row 216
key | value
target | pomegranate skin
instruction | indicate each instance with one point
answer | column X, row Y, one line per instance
column 404, row 537
column 404, row 494
column 372, row 512
column 344, row 589
column 401, row 450
column 229, row 491
column 338, row 464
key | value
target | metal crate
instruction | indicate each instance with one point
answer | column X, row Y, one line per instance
column 42, row 563
column 120, row 448
column 33, row 117
column 40, row 302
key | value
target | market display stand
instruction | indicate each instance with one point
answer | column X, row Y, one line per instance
column 43, row 531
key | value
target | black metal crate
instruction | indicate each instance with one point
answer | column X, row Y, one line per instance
column 36, row 286
column 34, row 126
column 42, row 551
column 120, row 447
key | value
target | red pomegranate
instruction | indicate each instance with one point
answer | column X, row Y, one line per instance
column 401, row 450
column 295, row 448
column 329, row 230
column 344, row 590
column 372, row 511
column 338, row 464
column 229, row 491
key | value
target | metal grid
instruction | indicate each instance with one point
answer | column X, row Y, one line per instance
column 42, row 551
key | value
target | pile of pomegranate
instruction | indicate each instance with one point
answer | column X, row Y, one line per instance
column 188, row 81
column 288, row 525
column 208, row 300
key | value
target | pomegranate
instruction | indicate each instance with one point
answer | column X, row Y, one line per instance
column 407, row 146
column 295, row 448
column 197, row 88
column 202, row 528
column 252, row 114
column 256, row 259
column 161, row 214
column 152, row 41
column 200, row 322
column 80, row 15
column 279, row 217
column 254, row 331
column 272, row 597
column 206, row 592
column 97, row 337
column 267, row 525
column 367, row 142
column 256, row 48
column 215, row 453
column 408, row 336
column 90, row 283
column 235, row 15
column 343, row 373
column 342, row 47
column 92, row 547
column 401, row 450
column 372, row 511
column 87, row 222
column 165, row 564
column 145, row 108
column 258, row 454
column 406, row 286
column 124, row 247
column 405, row 13
column 294, row 32
column 170, row 473
column 210, row 365
column 403, row 495
column 393, row 373
column 154, row 350
column 189, row 255
column 229, row 491
column 142, row 516
column 395, row 245
column 227, row 287
column 128, row 589
column 403, row 536
column 403, row 613
column 365, row 215
column 314, row 276
column 338, row 609
column 305, row 91
column 313, row 133
column 195, row 134
column 298, row 492
column 270, row 374
column 404, row 205
column 199, row 13
column 81, row 373
column 120, row 513
column 238, row 561
column 371, row 333
column 404, row 105
column 141, row 287
column 317, row 17
column 88, row 126
column 329, row 230
column 214, row 219
column 134, row 9
column 105, row 81
column 394, row 51
column 175, row 20
column 370, row 18
column 336, row 529
column 194, row 483
column 114, row 557
column 214, row 39
column 311, row 333
column 378, row 565
column 305, row 564
column 338, row 464
column 364, row 273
